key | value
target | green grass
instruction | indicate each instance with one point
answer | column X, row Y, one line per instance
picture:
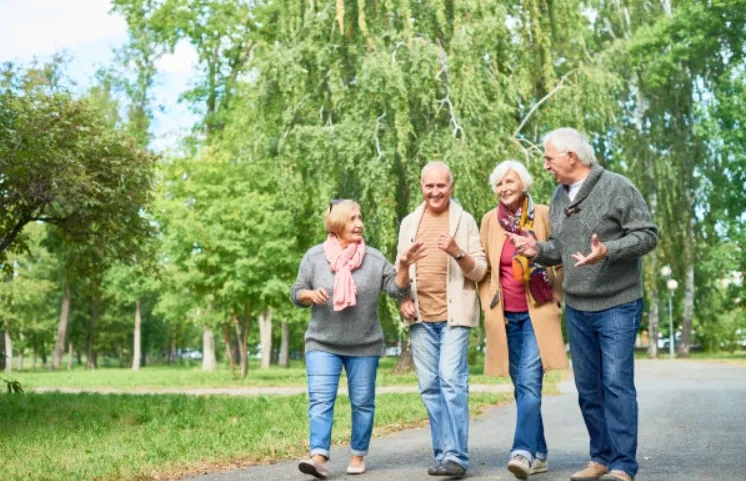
column 156, row 377
column 86, row 437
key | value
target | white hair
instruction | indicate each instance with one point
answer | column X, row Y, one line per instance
column 566, row 139
column 433, row 165
column 502, row 169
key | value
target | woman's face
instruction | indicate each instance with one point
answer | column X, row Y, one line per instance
column 353, row 229
column 510, row 190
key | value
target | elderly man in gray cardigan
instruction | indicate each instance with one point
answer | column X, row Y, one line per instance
column 601, row 227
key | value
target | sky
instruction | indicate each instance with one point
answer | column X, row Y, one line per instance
column 87, row 33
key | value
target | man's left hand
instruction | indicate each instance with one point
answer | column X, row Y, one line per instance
column 448, row 245
column 598, row 253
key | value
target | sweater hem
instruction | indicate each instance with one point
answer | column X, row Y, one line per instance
column 596, row 304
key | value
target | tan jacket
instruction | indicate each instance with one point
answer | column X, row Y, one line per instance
column 461, row 290
column 545, row 318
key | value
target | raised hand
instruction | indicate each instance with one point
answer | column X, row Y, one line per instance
column 406, row 309
column 597, row 254
column 448, row 245
column 524, row 243
column 316, row 296
column 414, row 253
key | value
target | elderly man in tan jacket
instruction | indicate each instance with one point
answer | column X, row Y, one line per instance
column 442, row 310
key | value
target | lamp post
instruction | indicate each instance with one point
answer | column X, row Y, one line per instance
column 671, row 285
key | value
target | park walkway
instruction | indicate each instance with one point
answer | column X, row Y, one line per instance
column 692, row 428
column 256, row 391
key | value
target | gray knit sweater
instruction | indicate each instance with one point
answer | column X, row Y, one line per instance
column 356, row 330
column 609, row 205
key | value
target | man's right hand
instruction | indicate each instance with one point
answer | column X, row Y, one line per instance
column 316, row 296
column 524, row 244
column 406, row 309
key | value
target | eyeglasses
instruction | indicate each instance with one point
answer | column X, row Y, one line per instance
column 334, row 202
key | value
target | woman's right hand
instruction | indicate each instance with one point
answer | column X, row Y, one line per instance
column 316, row 296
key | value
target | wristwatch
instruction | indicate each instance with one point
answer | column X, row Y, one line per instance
column 460, row 255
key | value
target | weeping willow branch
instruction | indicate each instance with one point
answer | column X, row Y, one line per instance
column 452, row 111
column 378, row 143
column 560, row 85
column 393, row 54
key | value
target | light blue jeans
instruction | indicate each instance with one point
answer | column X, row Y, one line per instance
column 323, row 370
column 526, row 372
column 439, row 353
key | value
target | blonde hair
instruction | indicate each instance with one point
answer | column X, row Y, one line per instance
column 338, row 214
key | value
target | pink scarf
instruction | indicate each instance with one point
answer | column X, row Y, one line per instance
column 342, row 263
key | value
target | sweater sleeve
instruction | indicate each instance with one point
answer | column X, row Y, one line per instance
column 304, row 281
column 476, row 252
column 549, row 252
column 640, row 235
column 388, row 282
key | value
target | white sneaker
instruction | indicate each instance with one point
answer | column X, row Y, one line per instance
column 539, row 466
column 519, row 466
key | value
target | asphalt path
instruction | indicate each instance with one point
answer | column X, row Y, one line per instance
column 692, row 427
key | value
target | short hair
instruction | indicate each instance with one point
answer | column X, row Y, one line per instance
column 567, row 139
column 502, row 169
column 338, row 214
column 433, row 165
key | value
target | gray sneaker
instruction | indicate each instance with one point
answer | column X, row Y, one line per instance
column 539, row 466
column 519, row 466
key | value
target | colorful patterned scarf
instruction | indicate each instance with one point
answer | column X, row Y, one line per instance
column 533, row 277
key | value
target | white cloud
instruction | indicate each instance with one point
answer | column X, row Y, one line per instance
column 182, row 60
column 41, row 27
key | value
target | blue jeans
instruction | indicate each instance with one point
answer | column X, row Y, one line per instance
column 526, row 372
column 439, row 354
column 323, row 370
column 602, row 346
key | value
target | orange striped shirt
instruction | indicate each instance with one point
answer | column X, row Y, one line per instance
column 432, row 270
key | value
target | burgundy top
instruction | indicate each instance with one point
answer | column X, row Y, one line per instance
column 514, row 292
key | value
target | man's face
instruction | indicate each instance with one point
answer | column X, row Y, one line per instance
column 561, row 165
column 436, row 188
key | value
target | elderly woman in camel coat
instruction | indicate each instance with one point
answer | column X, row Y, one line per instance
column 521, row 303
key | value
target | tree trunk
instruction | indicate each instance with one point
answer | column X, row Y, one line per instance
column 171, row 349
column 209, row 363
column 686, row 323
column 136, row 347
column 33, row 342
column 21, row 349
column 284, row 360
column 265, row 337
column 91, row 353
column 405, row 363
column 3, row 360
column 70, row 357
column 242, row 334
column 8, row 350
column 59, row 345
column 228, row 346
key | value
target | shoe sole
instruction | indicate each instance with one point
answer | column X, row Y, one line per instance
column 308, row 468
column 518, row 472
column 355, row 471
column 586, row 479
column 538, row 471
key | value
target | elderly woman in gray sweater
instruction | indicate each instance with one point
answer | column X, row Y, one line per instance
column 341, row 280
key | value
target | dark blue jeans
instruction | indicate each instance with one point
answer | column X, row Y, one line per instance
column 602, row 346
column 526, row 372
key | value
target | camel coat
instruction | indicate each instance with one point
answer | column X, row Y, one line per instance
column 546, row 318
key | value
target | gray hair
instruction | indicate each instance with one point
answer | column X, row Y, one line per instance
column 502, row 169
column 433, row 165
column 567, row 139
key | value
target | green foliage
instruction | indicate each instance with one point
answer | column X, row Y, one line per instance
column 62, row 163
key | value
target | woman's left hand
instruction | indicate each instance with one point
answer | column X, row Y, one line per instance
column 415, row 252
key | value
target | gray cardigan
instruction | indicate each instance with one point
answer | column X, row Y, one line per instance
column 356, row 330
column 609, row 205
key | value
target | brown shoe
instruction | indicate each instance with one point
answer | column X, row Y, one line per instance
column 616, row 475
column 592, row 472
